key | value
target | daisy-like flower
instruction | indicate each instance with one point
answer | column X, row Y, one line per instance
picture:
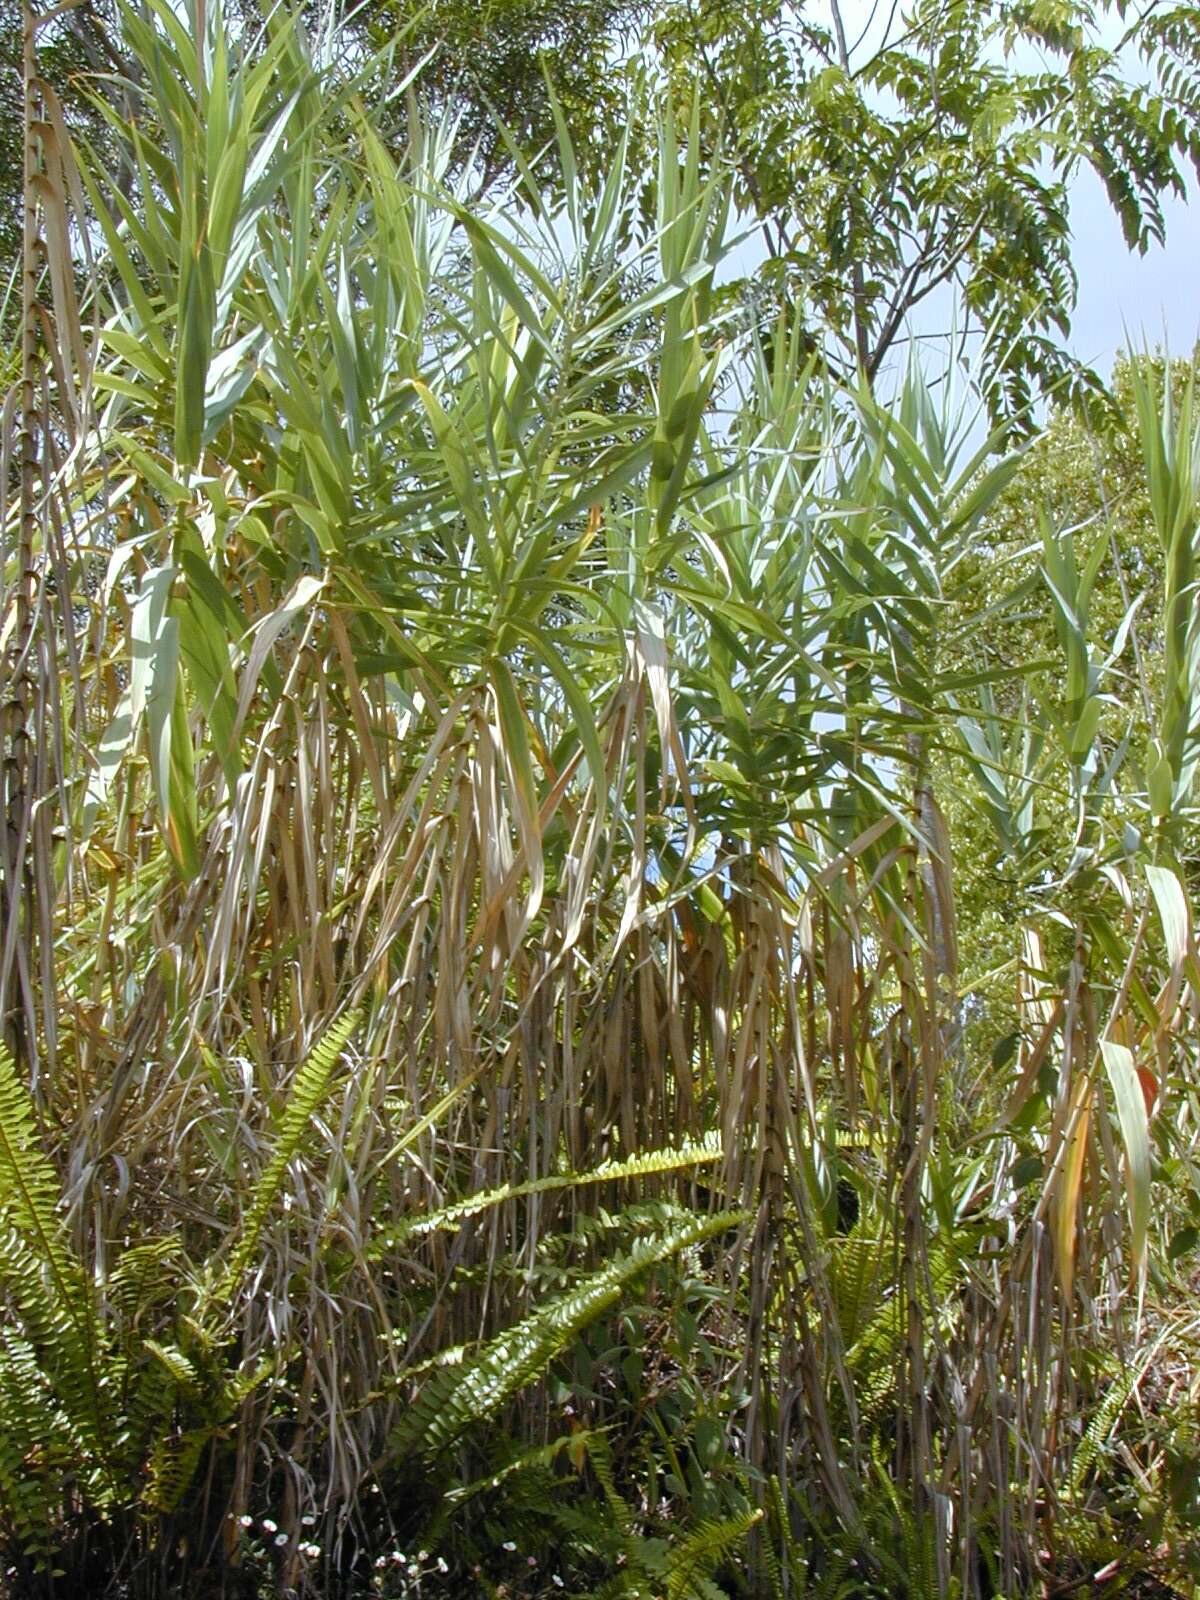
column 268, row 1526
column 245, row 1522
column 281, row 1539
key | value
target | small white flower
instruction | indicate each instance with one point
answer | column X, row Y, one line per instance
column 509, row 1545
column 246, row 1522
column 398, row 1557
column 281, row 1539
column 556, row 1580
column 441, row 1565
column 307, row 1520
column 381, row 1561
column 269, row 1526
column 413, row 1570
column 312, row 1551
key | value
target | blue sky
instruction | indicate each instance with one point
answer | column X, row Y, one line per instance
column 1124, row 296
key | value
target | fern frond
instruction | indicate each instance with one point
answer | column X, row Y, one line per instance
column 538, row 1456
column 640, row 1216
column 874, row 1353
column 138, row 1281
column 781, row 1528
column 308, row 1090
column 36, row 1444
column 179, row 1368
column 31, row 1199
column 454, row 1400
column 917, row 1567
column 855, row 1275
column 1103, row 1423
column 45, row 1280
column 602, row 1466
column 691, row 1564
column 643, row 1165
column 172, row 1467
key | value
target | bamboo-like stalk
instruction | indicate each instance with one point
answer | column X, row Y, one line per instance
column 18, row 957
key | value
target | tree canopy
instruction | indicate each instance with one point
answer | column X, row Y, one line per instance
column 886, row 155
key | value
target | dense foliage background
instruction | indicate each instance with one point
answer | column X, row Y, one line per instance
column 597, row 966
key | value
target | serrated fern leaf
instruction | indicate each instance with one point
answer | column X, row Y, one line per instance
column 642, row 1165
column 855, row 1272
column 454, row 1400
column 35, row 1439
column 602, row 1466
column 1103, row 1423
column 180, row 1369
column 308, row 1090
column 43, row 1277
column 30, row 1199
column 172, row 1467
column 139, row 1281
column 692, row 1563
column 537, row 1456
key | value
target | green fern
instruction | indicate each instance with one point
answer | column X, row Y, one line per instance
column 455, row 1399
column 601, row 1460
column 140, row 1280
column 538, row 1456
column 172, row 1466
column 917, row 1568
column 825, row 1578
column 309, row 1088
column 692, row 1563
column 37, row 1447
column 84, row 1394
column 1102, row 1424
column 855, row 1277
column 32, row 1195
column 46, row 1283
column 643, row 1165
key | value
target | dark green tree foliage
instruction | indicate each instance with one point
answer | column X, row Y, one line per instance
column 76, row 55
column 893, row 155
column 489, row 65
